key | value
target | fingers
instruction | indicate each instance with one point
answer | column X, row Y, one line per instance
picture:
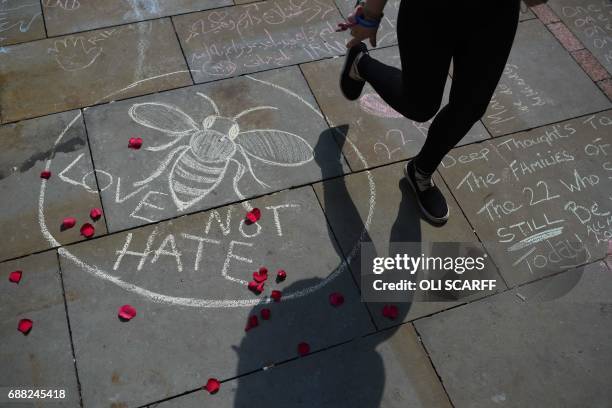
column 373, row 40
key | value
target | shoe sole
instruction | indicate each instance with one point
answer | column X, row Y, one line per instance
column 345, row 72
column 428, row 216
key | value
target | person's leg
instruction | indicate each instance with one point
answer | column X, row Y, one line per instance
column 425, row 48
column 478, row 63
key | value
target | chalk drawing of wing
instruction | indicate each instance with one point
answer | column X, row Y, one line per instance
column 275, row 147
column 190, row 180
column 165, row 118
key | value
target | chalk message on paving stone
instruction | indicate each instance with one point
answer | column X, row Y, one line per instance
column 255, row 37
column 69, row 16
column 20, row 21
column 205, row 146
column 541, row 200
column 69, row 72
column 528, row 94
column 591, row 21
column 173, row 271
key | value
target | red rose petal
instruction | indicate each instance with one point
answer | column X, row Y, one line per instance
column 281, row 275
column 276, row 295
column 256, row 287
column 25, row 325
column 303, row 348
column 260, row 287
column 95, row 214
column 265, row 314
column 88, row 230
column 336, row 299
column 263, row 270
column 212, row 385
column 254, row 215
column 68, row 223
column 390, row 311
column 135, row 143
column 46, row 174
column 127, row 312
column 252, row 285
column 258, row 277
column 251, row 323
column 15, row 276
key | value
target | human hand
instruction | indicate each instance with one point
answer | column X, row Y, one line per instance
column 358, row 32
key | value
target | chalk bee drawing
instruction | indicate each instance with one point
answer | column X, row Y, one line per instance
column 198, row 166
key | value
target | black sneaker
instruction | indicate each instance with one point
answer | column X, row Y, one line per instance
column 431, row 201
column 351, row 88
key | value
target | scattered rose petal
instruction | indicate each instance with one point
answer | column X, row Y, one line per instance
column 251, row 323
column 95, row 214
column 68, row 223
column 253, row 285
column 276, row 295
column 212, row 385
column 15, row 276
column 263, row 270
column 46, row 174
column 258, row 277
column 390, row 311
column 254, row 215
column 265, row 314
column 303, row 348
column 24, row 326
column 336, row 299
column 256, row 287
column 281, row 275
column 135, row 143
column 127, row 312
column 88, row 230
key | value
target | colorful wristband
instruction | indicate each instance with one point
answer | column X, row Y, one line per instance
column 366, row 23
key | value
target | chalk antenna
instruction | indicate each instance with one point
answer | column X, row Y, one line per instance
column 212, row 103
column 245, row 112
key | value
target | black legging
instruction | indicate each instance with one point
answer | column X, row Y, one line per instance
column 477, row 35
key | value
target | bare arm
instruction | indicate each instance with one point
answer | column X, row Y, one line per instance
column 373, row 9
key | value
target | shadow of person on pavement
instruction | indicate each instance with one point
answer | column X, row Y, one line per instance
column 352, row 375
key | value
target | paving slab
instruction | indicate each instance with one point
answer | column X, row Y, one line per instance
column 70, row 16
column 387, row 32
column 544, row 351
column 259, row 36
column 70, row 192
column 42, row 359
column 379, row 133
column 387, row 370
column 279, row 138
column 529, row 94
column 526, row 13
column 193, row 305
column 20, row 21
column 539, row 199
column 591, row 22
column 382, row 202
column 63, row 73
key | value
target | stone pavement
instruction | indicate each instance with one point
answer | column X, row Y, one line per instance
column 531, row 183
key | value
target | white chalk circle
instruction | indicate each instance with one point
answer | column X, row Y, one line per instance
column 195, row 302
